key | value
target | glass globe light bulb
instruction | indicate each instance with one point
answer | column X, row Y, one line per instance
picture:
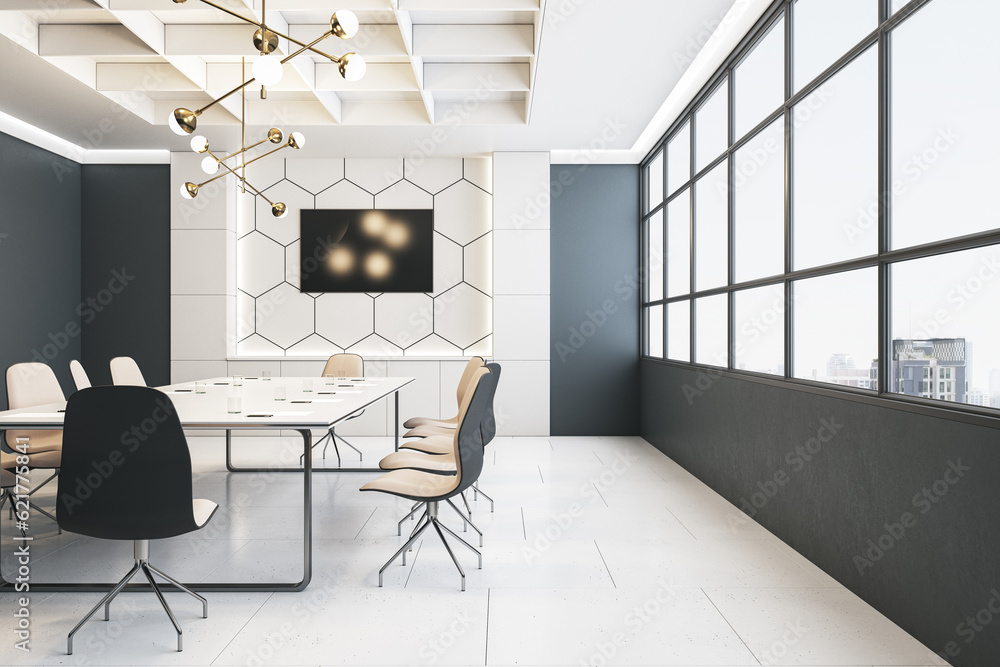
column 267, row 70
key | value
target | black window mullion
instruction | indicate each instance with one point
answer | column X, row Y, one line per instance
column 788, row 155
column 884, row 363
column 731, row 213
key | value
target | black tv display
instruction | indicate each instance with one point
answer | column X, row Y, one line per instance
column 384, row 250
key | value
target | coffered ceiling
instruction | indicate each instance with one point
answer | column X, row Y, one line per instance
column 493, row 74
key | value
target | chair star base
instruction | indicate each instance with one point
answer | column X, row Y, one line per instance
column 141, row 551
column 430, row 518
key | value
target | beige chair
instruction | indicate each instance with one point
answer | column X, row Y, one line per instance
column 430, row 488
column 475, row 363
column 124, row 371
column 80, row 377
column 343, row 365
column 30, row 385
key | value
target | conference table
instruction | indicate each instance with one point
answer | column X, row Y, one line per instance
column 307, row 404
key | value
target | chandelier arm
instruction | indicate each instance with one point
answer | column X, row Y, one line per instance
column 264, row 155
column 219, row 99
column 242, row 180
column 279, row 34
column 244, row 150
column 309, row 47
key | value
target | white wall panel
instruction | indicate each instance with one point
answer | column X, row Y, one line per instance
column 523, row 181
column 521, row 327
column 197, row 261
column 520, row 261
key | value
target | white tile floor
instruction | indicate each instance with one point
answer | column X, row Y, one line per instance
column 600, row 551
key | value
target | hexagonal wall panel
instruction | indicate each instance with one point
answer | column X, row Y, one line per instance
column 345, row 318
column 314, row 346
column 290, row 319
column 375, row 346
column 255, row 346
column 283, row 230
column 433, row 174
column 261, row 264
column 373, row 174
column 463, row 212
column 403, row 195
column 403, row 319
column 433, row 346
column 345, row 195
column 314, row 174
column 447, row 264
column 265, row 173
column 463, row 315
column 482, row 348
column 293, row 263
column 479, row 171
column 478, row 268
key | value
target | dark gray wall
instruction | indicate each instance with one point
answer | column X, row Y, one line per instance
column 843, row 506
column 125, row 275
column 39, row 258
column 594, row 304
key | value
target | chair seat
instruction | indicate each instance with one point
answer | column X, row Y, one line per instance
column 414, row 422
column 438, row 444
column 412, row 484
column 40, row 441
column 7, row 460
column 414, row 460
column 203, row 510
column 52, row 459
column 428, row 430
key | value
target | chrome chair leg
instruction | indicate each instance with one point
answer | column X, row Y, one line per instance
column 106, row 600
column 166, row 607
column 399, row 526
column 402, row 551
column 466, row 501
column 302, row 457
column 437, row 527
column 472, row 548
column 204, row 602
column 477, row 490
column 361, row 457
column 468, row 522
column 420, row 524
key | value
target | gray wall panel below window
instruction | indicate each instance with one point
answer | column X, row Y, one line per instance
column 851, row 472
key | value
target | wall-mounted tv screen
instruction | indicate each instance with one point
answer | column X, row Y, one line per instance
column 383, row 250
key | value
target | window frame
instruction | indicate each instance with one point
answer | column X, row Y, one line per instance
column 880, row 38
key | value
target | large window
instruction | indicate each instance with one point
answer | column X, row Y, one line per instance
column 823, row 212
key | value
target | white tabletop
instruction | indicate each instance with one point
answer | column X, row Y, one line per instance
column 329, row 401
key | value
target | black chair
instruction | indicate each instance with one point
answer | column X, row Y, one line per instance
column 433, row 488
column 126, row 475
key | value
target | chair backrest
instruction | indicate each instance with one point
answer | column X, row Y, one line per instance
column 30, row 384
column 126, row 468
column 489, row 418
column 468, row 434
column 345, row 365
column 124, row 371
column 80, row 377
column 474, row 364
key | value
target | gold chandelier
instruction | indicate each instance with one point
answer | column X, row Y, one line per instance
column 213, row 163
column 267, row 69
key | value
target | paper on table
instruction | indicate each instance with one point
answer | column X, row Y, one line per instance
column 276, row 414
column 30, row 415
